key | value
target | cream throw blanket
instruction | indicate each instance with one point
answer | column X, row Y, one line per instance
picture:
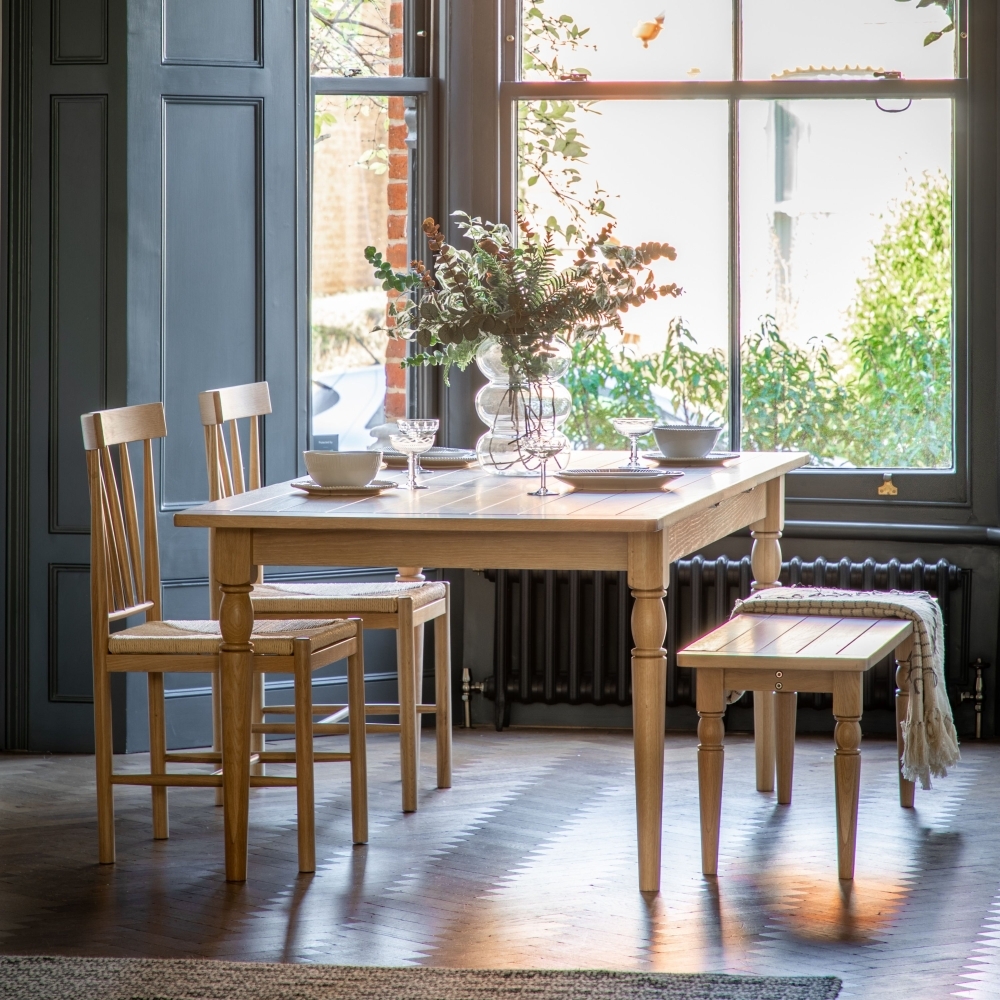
column 930, row 741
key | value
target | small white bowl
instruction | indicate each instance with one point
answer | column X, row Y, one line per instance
column 685, row 440
column 342, row 468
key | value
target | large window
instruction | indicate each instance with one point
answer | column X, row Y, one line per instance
column 368, row 109
column 805, row 159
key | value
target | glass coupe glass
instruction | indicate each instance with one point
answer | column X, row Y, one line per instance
column 411, row 446
column 633, row 428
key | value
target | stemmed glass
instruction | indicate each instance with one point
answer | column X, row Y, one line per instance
column 634, row 428
column 416, row 437
column 543, row 444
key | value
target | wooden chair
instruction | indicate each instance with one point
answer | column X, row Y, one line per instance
column 787, row 654
column 125, row 581
column 404, row 606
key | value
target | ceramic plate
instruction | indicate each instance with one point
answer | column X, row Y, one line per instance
column 436, row 458
column 617, row 480
column 715, row 458
column 373, row 489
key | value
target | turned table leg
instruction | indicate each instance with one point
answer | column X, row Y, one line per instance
column 232, row 565
column 903, row 652
column 649, row 696
column 711, row 700
column 847, row 765
column 765, row 561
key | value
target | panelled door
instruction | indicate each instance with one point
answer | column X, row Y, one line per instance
column 165, row 206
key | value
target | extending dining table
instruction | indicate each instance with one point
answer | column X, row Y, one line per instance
column 470, row 519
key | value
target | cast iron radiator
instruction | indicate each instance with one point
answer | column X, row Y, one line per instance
column 563, row 637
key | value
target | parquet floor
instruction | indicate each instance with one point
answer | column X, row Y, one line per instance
column 529, row 861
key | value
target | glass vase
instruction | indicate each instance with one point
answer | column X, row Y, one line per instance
column 514, row 405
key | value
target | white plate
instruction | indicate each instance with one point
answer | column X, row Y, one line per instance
column 373, row 489
column 617, row 480
column 714, row 458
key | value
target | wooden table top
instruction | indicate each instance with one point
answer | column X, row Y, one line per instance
column 473, row 500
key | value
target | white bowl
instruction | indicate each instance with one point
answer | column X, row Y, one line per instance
column 342, row 468
column 685, row 440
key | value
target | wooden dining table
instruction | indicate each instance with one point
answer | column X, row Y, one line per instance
column 469, row 519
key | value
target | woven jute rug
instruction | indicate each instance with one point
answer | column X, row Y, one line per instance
column 45, row 978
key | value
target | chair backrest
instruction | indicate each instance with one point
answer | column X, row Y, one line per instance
column 222, row 406
column 124, row 572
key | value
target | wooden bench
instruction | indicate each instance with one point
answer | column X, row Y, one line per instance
column 787, row 654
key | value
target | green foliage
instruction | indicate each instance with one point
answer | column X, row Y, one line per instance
column 880, row 398
column 948, row 6
column 792, row 399
column 550, row 145
column 899, row 342
column 349, row 37
column 514, row 293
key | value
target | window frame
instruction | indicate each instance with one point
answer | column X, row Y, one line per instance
column 940, row 488
column 416, row 83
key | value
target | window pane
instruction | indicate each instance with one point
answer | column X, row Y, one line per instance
column 627, row 40
column 359, row 199
column 846, row 281
column 672, row 187
column 785, row 39
column 356, row 37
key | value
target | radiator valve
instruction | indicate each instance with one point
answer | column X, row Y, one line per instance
column 976, row 695
column 468, row 687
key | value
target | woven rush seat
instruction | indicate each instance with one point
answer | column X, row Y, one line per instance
column 270, row 638
column 352, row 598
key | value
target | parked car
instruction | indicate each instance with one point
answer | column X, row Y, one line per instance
column 347, row 404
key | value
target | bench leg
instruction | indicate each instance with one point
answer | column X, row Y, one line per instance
column 785, row 705
column 902, row 708
column 763, row 739
column 847, row 766
column 711, row 756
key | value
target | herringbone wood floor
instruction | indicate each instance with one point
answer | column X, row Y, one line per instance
column 528, row 861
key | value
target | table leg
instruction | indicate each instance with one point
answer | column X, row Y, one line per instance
column 847, row 765
column 649, row 696
column 785, row 708
column 765, row 561
column 711, row 699
column 232, row 565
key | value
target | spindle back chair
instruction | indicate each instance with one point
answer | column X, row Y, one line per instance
column 125, row 581
column 404, row 606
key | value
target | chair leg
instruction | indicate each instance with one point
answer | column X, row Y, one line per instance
column 257, row 740
column 442, row 689
column 359, row 749
column 711, row 757
column 418, row 689
column 217, row 724
column 763, row 738
column 304, row 761
column 847, row 766
column 408, row 735
column 102, row 756
column 785, row 704
column 906, row 788
column 157, row 753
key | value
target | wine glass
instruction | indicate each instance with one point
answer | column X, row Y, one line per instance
column 634, row 428
column 543, row 444
column 411, row 446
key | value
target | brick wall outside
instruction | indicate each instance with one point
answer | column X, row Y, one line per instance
column 397, row 196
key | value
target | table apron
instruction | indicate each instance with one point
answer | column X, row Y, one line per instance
column 460, row 549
